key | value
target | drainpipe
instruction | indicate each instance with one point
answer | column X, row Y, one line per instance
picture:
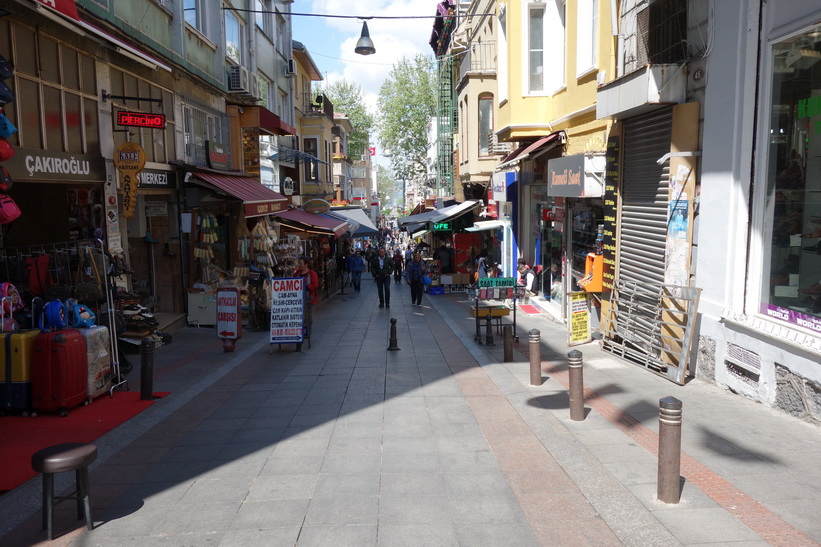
column 614, row 26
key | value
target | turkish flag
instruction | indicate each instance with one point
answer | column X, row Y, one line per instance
column 372, row 150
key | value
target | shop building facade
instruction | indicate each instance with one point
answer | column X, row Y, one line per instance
column 760, row 319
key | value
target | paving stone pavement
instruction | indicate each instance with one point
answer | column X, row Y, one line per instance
column 440, row 443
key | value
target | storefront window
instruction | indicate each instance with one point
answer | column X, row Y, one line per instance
column 791, row 285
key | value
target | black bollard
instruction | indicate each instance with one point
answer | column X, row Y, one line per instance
column 576, row 391
column 669, row 471
column 147, row 369
column 535, row 339
column 489, row 333
column 393, row 345
column 508, row 343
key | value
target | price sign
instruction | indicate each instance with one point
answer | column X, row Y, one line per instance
column 287, row 310
column 579, row 323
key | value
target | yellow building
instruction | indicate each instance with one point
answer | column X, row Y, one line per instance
column 552, row 56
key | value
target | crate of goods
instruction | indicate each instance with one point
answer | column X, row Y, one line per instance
column 436, row 290
column 447, row 279
column 15, row 373
column 98, row 352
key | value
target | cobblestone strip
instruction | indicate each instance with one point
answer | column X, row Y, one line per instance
column 772, row 528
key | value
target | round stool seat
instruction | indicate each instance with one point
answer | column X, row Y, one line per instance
column 64, row 457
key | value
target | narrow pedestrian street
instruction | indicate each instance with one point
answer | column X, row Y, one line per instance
column 439, row 443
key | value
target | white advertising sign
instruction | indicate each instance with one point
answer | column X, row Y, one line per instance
column 287, row 310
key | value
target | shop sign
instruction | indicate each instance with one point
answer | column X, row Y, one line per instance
column 441, row 227
column 46, row 165
column 264, row 208
column 129, row 185
column 792, row 317
column 288, row 186
column 565, row 176
column 140, row 119
column 64, row 7
column 611, row 184
column 150, row 178
column 217, row 155
column 579, row 323
column 287, row 310
column 229, row 319
column 316, row 206
column 496, row 282
column 129, row 158
column 156, row 208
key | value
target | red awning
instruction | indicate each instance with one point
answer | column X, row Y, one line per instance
column 258, row 199
column 321, row 222
column 524, row 151
column 273, row 123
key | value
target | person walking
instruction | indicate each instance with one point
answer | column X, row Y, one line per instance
column 357, row 266
column 304, row 270
column 397, row 266
column 381, row 269
column 444, row 259
column 414, row 271
column 408, row 255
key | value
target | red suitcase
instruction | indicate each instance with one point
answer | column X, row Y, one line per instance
column 59, row 373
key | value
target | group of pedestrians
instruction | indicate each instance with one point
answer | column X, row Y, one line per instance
column 403, row 264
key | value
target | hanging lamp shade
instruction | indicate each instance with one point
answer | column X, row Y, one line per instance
column 365, row 45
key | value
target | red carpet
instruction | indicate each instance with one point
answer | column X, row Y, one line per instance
column 530, row 309
column 21, row 437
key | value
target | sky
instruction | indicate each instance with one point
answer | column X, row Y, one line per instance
column 331, row 41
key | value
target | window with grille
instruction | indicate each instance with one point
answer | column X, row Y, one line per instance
column 662, row 33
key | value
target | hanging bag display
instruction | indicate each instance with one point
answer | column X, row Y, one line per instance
column 6, row 94
column 6, row 150
column 6, row 69
column 6, row 181
column 7, row 129
column 9, row 211
column 426, row 280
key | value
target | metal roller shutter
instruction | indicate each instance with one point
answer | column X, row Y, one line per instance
column 644, row 193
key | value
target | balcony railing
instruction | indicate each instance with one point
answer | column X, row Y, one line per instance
column 479, row 57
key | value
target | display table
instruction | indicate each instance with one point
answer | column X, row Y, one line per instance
column 496, row 313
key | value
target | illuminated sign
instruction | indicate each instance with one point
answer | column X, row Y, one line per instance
column 441, row 226
column 138, row 119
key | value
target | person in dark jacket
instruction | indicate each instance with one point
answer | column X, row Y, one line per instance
column 414, row 271
column 381, row 269
column 356, row 264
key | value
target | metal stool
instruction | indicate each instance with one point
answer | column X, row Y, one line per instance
column 58, row 459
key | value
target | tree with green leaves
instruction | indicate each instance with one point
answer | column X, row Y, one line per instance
column 407, row 102
column 388, row 188
column 348, row 99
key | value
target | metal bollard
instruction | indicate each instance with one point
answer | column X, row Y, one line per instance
column 392, row 345
column 576, row 391
column 508, row 343
column 534, row 336
column 489, row 333
column 669, row 471
column 147, row 369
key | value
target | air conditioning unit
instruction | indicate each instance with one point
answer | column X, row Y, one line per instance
column 290, row 68
column 237, row 79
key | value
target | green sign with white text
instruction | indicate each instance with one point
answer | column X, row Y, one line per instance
column 492, row 282
column 441, row 226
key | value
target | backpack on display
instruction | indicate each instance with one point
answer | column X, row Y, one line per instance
column 6, row 70
column 6, row 94
column 54, row 316
column 9, row 211
column 6, row 182
column 7, row 129
column 6, row 150
column 80, row 316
